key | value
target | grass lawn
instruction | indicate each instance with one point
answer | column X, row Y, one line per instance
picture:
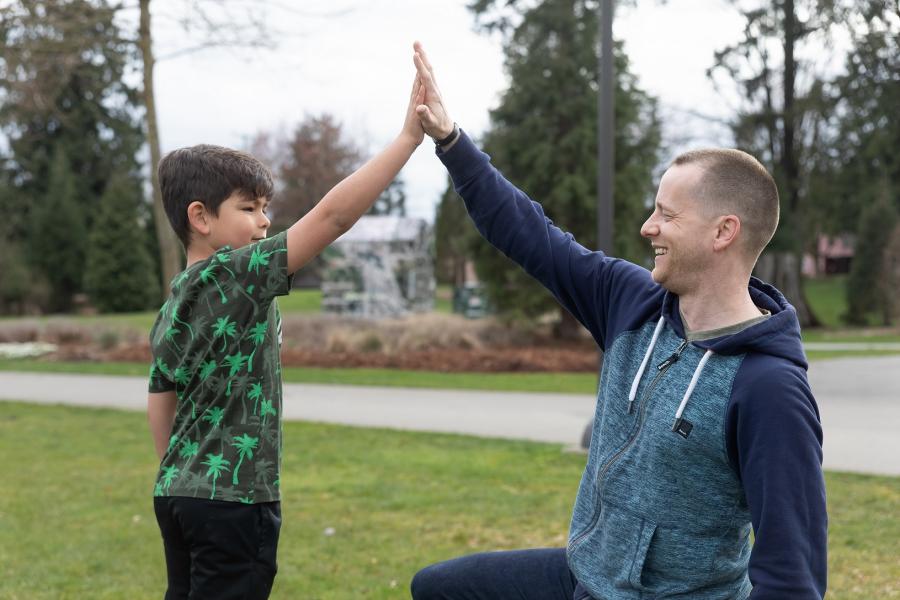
column 562, row 383
column 77, row 522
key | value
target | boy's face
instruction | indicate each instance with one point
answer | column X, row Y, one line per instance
column 241, row 221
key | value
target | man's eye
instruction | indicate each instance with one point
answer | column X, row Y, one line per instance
column 249, row 209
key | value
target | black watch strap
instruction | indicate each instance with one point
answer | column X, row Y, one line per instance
column 449, row 138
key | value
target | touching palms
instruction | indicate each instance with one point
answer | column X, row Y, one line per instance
column 245, row 445
column 216, row 464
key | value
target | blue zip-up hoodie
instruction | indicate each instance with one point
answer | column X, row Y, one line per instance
column 692, row 442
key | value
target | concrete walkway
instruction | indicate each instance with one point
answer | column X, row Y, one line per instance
column 859, row 400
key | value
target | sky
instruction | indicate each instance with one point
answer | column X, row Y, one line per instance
column 353, row 59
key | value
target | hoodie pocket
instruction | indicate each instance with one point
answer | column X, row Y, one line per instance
column 608, row 557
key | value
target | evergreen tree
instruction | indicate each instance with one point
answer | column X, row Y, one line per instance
column 57, row 236
column 454, row 235
column 543, row 137
column 866, row 286
column 63, row 84
column 120, row 275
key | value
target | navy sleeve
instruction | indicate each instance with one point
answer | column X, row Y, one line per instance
column 605, row 294
column 774, row 439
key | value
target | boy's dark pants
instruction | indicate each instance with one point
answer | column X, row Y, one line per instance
column 218, row 550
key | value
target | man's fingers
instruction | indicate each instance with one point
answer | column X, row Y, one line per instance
column 421, row 51
column 424, row 74
column 426, row 116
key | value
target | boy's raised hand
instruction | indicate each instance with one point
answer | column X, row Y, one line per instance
column 435, row 120
column 412, row 126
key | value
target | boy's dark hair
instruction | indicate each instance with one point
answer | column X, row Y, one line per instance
column 208, row 174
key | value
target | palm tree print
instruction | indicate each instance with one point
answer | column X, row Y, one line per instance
column 206, row 369
column 266, row 409
column 173, row 314
column 206, row 275
column 258, row 258
column 172, row 442
column 236, row 363
column 214, row 415
column 157, row 489
column 225, row 328
column 169, row 475
column 245, row 446
column 163, row 367
column 257, row 336
column 255, row 394
column 188, row 448
column 181, row 376
column 224, row 257
column 171, row 332
column 216, row 464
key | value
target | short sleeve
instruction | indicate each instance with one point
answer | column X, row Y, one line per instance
column 260, row 268
column 160, row 380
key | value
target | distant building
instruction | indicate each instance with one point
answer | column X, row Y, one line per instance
column 833, row 256
column 382, row 267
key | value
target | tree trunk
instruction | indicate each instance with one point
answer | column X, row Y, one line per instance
column 170, row 254
column 568, row 327
column 782, row 269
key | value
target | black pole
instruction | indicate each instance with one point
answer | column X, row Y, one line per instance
column 605, row 153
column 605, row 138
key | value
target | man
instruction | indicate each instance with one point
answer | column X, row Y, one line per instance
column 705, row 421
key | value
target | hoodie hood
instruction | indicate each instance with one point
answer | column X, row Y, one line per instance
column 779, row 335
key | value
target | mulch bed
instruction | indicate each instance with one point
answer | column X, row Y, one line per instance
column 552, row 357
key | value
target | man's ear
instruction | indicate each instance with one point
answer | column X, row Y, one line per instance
column 198, row 217
column 726, row 232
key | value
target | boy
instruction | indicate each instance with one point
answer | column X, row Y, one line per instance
column 214, row 406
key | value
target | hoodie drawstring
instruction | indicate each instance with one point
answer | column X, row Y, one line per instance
column 637, row 378
column 640, row 373
column 690, row 389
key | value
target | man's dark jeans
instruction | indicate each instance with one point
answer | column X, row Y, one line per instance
column 218, row 550
column 539, row 574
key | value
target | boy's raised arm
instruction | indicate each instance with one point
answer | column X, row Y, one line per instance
column 351, row 198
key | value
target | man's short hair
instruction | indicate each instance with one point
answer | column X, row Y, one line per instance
column 208, row 174
column 733, row 182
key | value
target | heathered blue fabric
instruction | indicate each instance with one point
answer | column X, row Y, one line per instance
column 660, row 515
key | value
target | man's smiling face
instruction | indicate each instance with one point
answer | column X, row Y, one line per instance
column 679, row 230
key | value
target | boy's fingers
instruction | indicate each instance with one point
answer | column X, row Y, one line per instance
column 418, row 47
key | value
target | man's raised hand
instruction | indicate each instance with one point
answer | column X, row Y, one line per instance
column 435, row 120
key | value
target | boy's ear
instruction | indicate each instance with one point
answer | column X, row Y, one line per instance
column 198, row 217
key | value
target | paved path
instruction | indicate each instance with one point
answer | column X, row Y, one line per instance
column 859, row 399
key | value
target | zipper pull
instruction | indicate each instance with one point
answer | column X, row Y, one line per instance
column 673, row 358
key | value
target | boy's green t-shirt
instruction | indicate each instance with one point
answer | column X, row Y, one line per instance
column 216, row 342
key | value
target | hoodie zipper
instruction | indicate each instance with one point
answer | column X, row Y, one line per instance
column 661, row 369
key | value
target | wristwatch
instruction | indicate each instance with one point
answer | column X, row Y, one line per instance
column 449, row 138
